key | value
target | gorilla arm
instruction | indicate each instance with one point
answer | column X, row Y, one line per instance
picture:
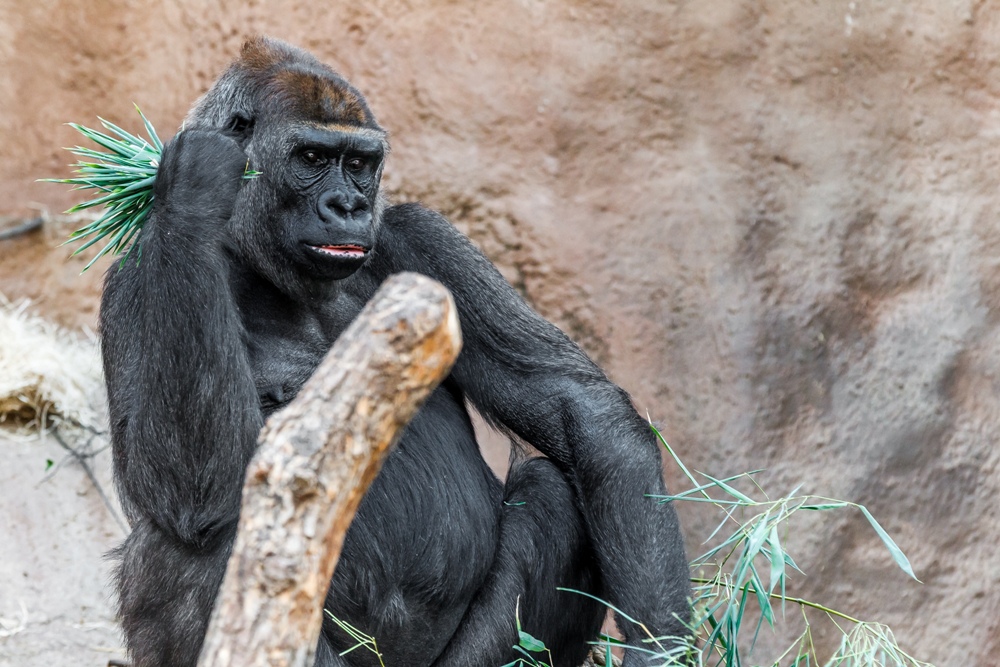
column 526, row 376
column 183, row 408
column 182, row 400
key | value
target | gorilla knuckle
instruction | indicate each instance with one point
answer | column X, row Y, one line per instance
column 201, row 168
column 205, row 153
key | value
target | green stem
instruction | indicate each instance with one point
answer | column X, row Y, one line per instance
column 785, row 598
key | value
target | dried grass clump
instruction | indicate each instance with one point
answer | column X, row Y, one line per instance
column 46, row 373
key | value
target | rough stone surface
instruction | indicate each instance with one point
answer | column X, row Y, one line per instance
column 773, row 222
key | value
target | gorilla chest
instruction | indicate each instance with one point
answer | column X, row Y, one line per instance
column 282, row 363
column 425, row 533
column 286, row 342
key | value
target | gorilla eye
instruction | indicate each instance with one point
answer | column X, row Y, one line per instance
column 313, row 158
column 239, row 124
column 356, row 164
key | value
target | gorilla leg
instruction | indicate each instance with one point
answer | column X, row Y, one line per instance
column 543, row 545
column 166, row 590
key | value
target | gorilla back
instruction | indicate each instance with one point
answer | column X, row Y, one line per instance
column 242, row 287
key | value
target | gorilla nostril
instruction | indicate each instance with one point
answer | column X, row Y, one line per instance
column 361, row 203
column 343, row 204
column 334, row 203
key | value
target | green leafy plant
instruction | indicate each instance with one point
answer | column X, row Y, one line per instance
column 123, row 178
column 739, row 582
column 527, row 645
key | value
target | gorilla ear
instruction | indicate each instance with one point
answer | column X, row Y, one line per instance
column 240, row 126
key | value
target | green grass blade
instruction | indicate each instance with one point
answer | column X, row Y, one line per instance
column 824, row 506
column 777, row 556
column 673, row 455
column 127, row 137
column 150, row 130
column 730, row 490
column 116, row 146
column 698, row 489
column 105, row 231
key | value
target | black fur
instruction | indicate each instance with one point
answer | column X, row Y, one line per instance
column 224, row 312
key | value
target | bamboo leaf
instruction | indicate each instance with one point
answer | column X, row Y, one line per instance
column 731, row 491
column 777, row 559
column 897, row 554
column 824, row 506
column 529, row 643
column 703, row 487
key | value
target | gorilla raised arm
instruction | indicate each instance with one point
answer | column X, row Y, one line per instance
column 239, row 289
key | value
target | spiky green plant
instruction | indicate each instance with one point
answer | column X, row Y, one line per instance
column 123, row 178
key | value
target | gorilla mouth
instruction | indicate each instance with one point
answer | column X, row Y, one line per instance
column 346, row 251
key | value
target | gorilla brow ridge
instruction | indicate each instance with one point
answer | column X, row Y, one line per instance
column 322, row 99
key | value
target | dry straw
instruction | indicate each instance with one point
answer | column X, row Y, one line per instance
column 46, row 373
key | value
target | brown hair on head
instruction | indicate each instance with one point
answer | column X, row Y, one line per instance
column 303, row 85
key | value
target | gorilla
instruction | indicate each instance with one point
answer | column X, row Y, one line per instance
column 233, row 293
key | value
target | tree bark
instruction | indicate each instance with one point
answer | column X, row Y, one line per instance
column 316, row 459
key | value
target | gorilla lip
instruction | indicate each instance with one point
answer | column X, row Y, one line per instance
column 351, row 251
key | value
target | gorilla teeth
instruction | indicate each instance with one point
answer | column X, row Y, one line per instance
column 340, row 250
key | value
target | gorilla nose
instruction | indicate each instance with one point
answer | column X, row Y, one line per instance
column 335, row 206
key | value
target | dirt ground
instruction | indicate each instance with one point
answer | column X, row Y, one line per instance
column 774, row 223
column 54, row 607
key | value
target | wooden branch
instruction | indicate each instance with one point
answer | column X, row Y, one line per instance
column 316, row 459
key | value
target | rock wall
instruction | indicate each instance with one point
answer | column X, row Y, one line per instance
column 773, row 222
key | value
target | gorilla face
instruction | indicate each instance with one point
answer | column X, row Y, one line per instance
column 329, row 214
column 312, row 213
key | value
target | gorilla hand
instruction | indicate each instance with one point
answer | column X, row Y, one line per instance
column 199, row 176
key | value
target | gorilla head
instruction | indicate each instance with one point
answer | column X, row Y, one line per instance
column 311, row 214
